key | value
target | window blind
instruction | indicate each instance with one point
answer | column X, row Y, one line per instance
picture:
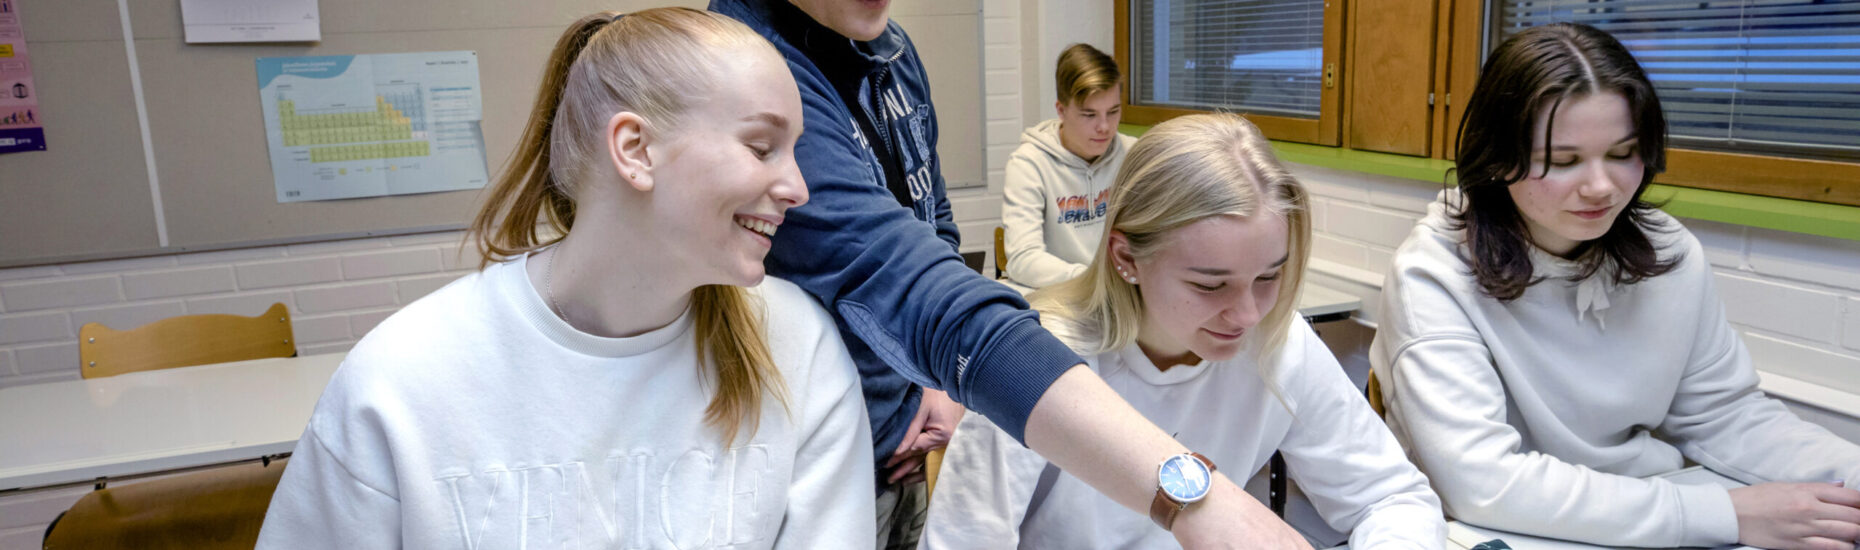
column 1779, row 77
column 1254, row 56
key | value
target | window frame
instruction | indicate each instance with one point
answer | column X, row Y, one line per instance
column 1323, row 131
column 1460, row 38
column 1814, row 180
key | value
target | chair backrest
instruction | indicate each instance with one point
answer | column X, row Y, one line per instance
column 206, row 510
column 1000, row 252
column 933, row 463
column 1373, row 389
column 185, row 341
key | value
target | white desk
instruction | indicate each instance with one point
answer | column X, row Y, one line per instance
column 1320, row 303
column 156, row 421
column 1461, row 536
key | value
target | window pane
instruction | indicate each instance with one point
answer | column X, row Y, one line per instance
column 1253, row 56
column 1775, row 77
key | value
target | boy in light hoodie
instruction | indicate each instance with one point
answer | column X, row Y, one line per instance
column 1058, row 179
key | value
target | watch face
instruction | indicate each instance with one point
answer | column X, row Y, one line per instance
column 1184, row 479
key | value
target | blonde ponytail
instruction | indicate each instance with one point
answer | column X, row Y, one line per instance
column 653, row 63
column 506, row 227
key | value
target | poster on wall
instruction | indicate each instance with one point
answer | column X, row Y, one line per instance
column 208, row 21
column 21, row 127
column 348, row 126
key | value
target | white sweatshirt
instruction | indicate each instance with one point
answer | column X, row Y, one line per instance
column 1055, row 205
column 994, row 493
column 1543, row 415
column 476, row 418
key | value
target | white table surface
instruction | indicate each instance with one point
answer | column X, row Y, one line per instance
column 1461, row 536
column 154, row 421
column 1314, row 301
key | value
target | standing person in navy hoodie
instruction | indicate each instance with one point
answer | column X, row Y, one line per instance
column 877, row 246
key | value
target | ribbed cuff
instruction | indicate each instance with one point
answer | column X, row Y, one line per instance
column 1710, row 519
column 1006, row 382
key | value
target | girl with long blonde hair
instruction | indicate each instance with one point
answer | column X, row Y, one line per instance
column 1189, row 311
column 619, row 372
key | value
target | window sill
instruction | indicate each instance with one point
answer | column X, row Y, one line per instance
column 1809, row 393
column 1813, row 218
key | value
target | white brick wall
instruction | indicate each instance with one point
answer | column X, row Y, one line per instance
column 1795, row 297
column 978, row 210
column 59, row 292
column 1851, row 340
column 336, row 291
column 178, row 282
column 23, row 517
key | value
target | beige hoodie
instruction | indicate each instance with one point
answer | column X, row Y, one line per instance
column 1546, row 415
column 1055, row 205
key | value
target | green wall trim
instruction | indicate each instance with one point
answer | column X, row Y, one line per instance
column 1401, row 166
column 1813, row 218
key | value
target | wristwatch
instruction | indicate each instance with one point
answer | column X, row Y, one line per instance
column 1181, row 480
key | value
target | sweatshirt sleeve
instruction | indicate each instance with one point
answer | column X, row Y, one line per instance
column 983, row 490
column 830, row 495
column 1023, row 214
column 1344, row 458
column 319, row 503
column 899, row 288
column 1724, row 423
column 1446, row 397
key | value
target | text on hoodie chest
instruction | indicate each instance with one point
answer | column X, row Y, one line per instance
column 697, row 498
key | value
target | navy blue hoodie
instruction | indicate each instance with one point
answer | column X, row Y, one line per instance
column 876, row 244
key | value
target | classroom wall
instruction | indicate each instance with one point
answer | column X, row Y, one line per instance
column 336, row 292
column 1059, row 24
column 978, row 209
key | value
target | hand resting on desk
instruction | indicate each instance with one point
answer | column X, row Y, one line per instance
column 1797, row 516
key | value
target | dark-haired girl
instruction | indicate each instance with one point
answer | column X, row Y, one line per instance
column 1549, row 341
column 635, row 382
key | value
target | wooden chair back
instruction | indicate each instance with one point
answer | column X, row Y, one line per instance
column 933, row 462
column 185, row 341
column 205, row 510
column 1000, row 252
column 1374, row 390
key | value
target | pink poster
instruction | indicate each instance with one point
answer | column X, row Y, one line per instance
column 20, row 128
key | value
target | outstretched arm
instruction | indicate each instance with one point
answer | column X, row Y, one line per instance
column 904, row 292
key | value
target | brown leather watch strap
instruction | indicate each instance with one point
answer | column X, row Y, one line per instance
column 1164, row 509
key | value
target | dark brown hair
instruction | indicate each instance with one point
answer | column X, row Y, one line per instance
column 1533, row 72
column 649, row 62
